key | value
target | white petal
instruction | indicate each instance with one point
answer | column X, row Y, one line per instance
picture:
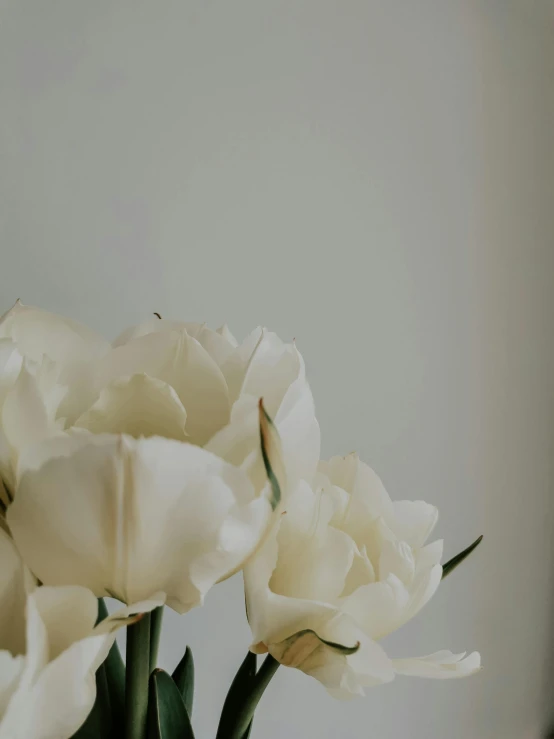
column 129, row 517
column 361, row 572
column 10, row 366
column 425, row 585
column 368, row 500
column 227, row 335
column 397, row 559
column 58, row 701
column 139, row 406
column 68, row 613
column 153, row 326
column 413, row 521
column 216, row 344
column 274, row 617
column 343, row 673
column 429, row 555
column 314, row 560
column 236, row 365
column 39, row 333
column 439, row 665
column 180, row 361
column 378, row 607
column 219, row 345
column 26, row 419
column 10, row 674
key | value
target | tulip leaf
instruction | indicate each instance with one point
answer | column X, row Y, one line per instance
column 237, row 695
column 238, row 711
column 114, row 669
column 183, row 677
column 459, row 558
column 167, row 715
column 271, row 454
column 99, row 721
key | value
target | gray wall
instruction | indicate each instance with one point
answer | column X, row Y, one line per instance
column 374, row 178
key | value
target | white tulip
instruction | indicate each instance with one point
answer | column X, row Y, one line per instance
column 41, row 356
column 178, row 380
column 128, row 517
column 346, row 567
column 50, row 650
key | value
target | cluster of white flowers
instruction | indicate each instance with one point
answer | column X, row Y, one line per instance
column 148, row 470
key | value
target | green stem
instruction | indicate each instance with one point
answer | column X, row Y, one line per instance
column 155, row 633
column 238, row 726
column 137, row 675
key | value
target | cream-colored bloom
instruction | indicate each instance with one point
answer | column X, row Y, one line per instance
column 346, row 567
column 129, row 517
column 177, row 380
column 50, row 650
column 42, row 355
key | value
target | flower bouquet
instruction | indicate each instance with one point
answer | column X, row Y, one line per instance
column 149, row 470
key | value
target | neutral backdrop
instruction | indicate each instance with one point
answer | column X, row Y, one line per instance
column 375, row 179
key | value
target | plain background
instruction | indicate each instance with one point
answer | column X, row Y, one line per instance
column 374, row 178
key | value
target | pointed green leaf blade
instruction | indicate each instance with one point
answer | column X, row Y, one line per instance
column 183, row 677
column 99, row 721
column 167, row 715
column 114, row 669
column 238, row 693
column 459, row 558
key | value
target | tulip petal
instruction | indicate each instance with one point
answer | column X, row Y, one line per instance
column 378, row 607
column 126, row 517
column 413, row 521
column 180, row 361
column 39, row 333
column 10, row 674
column 139, row 406
column 344, row 668
column 440, row 665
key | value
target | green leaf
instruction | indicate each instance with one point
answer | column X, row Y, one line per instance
column 167, row 715
column 114, row 668
column 183, row 677
column 237, row 695
column 459, row 558
column 99, row 721
column 241, row 702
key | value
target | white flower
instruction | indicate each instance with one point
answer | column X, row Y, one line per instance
column 50, row 650
column 346, row 567
column 177, row 380
column 129, row 517
column 41, row 356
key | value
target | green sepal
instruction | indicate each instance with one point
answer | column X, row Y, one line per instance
column 272, row 454
column 183, row 677
column 459, row 558
column 167, row 715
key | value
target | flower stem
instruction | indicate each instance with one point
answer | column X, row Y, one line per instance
column 238, row 726
column 156, row 619
column 137, row 674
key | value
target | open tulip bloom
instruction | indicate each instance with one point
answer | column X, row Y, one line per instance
column 149, row 470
